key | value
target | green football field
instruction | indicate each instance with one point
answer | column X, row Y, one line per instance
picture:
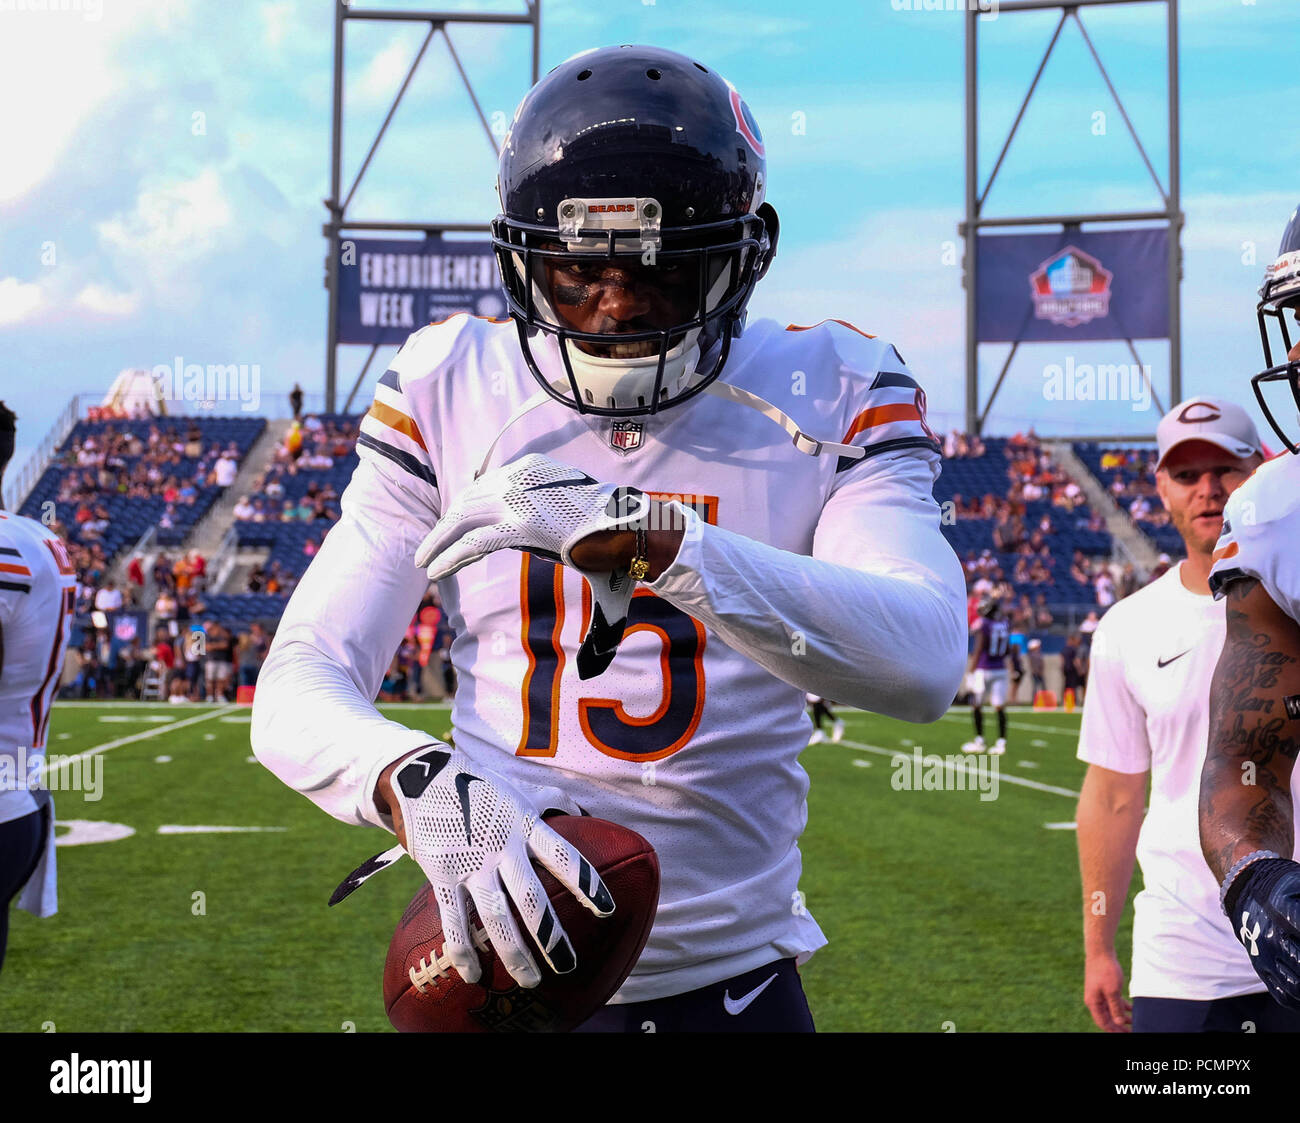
column 944, row 911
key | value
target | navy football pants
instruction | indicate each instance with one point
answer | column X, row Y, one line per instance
column 768, row 999
column 1220, row 1015
column 22, row 842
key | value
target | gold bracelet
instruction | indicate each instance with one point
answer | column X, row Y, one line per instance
column 640, row 560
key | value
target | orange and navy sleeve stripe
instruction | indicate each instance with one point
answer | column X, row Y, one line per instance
column 390, row 431
column 891, row 418
column 15, row 574
column 1221, row 576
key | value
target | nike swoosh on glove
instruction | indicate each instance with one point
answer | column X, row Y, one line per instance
column 545, row 507
column 1263, row 904
column 473, row 834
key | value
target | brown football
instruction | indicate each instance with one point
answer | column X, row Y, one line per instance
column 606, row 948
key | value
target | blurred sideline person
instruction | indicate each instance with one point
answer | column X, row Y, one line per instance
column 1037, row 667
column 1073, row 670
column 987, row 674
column 819, row 710
column 1248, row 829
column 37, row 594
column 1146, row 716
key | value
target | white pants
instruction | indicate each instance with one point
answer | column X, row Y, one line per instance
column 988, row 686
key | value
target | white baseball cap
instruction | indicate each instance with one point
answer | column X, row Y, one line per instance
column 1215, row 420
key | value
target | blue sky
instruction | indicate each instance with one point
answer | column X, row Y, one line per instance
column 165, row 161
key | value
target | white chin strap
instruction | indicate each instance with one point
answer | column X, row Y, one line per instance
column 625, row 383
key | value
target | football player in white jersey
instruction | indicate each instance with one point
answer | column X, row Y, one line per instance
column 1248, row 801
column 1145, row 719
column 751, row 515
column 987, row 673
column 37, row 594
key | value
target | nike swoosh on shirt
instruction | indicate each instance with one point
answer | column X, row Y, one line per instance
column 463, row 781
column 735, row 1006
column 583, row 478
column 1165, row 662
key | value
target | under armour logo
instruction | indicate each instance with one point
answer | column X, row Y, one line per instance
column 1247, row 934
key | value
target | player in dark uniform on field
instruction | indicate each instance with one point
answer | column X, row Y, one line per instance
column 987, row 673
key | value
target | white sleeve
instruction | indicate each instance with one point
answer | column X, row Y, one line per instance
column 876, row 618
column 1113, row 732
column 314, row 724
column 1261, row 524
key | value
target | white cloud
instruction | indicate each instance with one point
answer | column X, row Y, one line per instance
column 18, row 300
column 277, row 17
column 57, row 68
column 379, row 81
column 175, row 222
column 103, row 301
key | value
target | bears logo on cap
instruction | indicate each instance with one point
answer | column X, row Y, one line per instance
column 1187, row 417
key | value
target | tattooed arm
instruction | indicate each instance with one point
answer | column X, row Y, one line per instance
column 1246, row 783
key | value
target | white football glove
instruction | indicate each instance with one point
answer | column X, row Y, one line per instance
column 473, row 834
column 545, row 507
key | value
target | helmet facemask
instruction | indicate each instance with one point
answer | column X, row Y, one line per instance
column 1280, row 301
column 695, row 283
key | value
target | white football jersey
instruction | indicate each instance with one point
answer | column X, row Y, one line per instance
column 1147, row 710
column 1261, row 534
column 797, row 573
column 37, row 597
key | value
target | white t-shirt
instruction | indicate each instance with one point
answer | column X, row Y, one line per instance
column 1147, row 709
column 226, row 470
column 108, row 600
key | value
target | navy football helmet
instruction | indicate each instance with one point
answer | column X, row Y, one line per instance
column 1280, row 297
column 638, row 165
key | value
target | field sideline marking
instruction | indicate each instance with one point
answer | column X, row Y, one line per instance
column 1003, row 778
column 63, row 762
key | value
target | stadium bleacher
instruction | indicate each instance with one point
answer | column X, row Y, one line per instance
column 1133, row 470
column 238, row 611
column 286, row 541
column 973, row 477
column 128, row 517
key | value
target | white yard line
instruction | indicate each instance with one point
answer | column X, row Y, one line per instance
column 131, row 703
column 64, row 762
column 964, row 717
column 1003, row 777
column 177, row 828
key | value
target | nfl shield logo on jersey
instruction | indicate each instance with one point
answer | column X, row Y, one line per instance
column 626, row 435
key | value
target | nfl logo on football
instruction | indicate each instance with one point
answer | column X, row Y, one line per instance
column 626, row 435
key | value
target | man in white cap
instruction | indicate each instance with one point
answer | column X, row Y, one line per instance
column 1146, row 716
